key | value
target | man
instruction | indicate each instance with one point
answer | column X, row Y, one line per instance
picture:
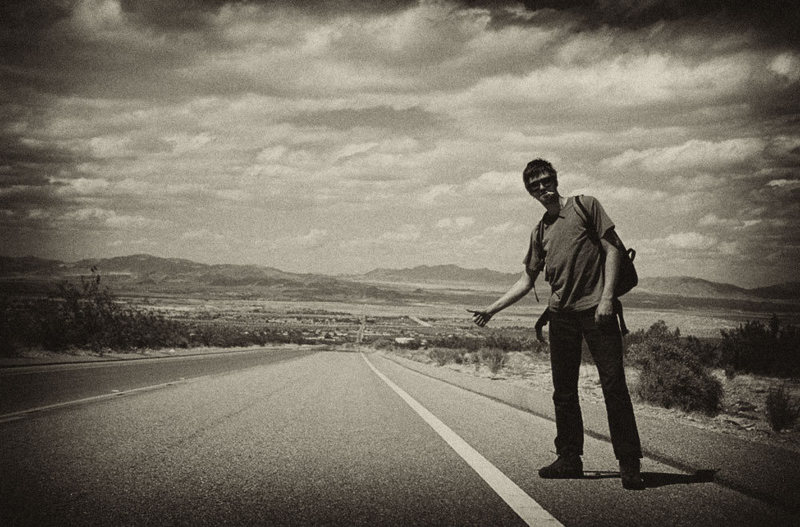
column 582, row 268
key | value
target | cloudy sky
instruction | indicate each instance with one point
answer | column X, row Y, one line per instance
column 338, row 137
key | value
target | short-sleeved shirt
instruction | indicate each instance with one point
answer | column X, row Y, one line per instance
column 572, row 257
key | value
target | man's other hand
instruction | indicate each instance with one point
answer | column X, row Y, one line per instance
column 604, row 312
column 480, row 317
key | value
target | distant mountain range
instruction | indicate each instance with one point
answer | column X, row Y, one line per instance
column 146, row 268
column 677, row 285
column 142, row 272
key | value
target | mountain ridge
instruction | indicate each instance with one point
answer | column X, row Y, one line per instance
column 673, row 285
column 145, row 268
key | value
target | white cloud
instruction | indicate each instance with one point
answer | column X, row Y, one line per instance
column 617, row 82
column 271, row 154
column 729, row 248
column 692, row 155
column 627, row 194
column 502, row 228
column 82, row 186
column 455, row 224
column 235, row 195
column 313, row 238
column 785, row 183
column 404, row 233
column 698, row 182
column 184, row 143
column 712, row 220
column 109, row 146
column 690, row 241
column 203, row 235
column 787, row 65
column 496, row 183
column 134, row 222
column 435, row 193
column 353, row 149
column 95, row 216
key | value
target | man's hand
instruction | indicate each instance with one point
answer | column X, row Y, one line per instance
column 605, row 311
column 480, row 317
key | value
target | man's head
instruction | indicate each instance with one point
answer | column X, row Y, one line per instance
column 541, row 180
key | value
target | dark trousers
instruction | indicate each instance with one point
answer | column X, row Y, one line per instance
column 605, row 344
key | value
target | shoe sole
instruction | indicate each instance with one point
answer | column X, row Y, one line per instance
column 575, row 475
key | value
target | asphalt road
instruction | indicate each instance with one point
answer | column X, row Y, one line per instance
column 26, row 387
column 323, row 439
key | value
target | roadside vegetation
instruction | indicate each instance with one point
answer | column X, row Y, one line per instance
column 671, row 370
column 86, row 315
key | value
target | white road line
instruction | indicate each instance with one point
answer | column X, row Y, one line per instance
column 114, row 393
column 526, row 507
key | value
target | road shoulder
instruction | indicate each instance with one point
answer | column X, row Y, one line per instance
column 766, row 472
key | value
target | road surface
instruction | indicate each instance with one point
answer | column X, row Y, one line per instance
column 325, row 439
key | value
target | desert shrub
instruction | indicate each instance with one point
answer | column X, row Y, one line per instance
column 501, row 339
column 768, row 349
column 223, row 335
column 638, row 345
column 455, row 341
column 671, row 376
column 87, row 315
column 781, row 411
column 707, row 352
column 382, row 343
column 493, row 358
column 658, row 332
column 444, row 356
column 508, row 341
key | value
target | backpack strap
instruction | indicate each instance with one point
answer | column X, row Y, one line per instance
column 584, row 215
column 631, row 254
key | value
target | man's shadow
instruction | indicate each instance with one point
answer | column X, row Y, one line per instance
column 659, row 479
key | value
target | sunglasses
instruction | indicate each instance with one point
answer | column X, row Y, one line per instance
column 535, row 184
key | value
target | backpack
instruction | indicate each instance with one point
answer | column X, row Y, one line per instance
column 627, row 280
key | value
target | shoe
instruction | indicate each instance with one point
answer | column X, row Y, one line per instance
column 565, row 467
column 631, row 475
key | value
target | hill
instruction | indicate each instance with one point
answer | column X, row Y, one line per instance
column 142, row 274
column 438, row 273
column 684, row 286
column 693, row 287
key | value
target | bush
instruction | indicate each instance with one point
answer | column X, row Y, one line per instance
column 768, row 349
column 637, row 343
column 494, row 358
column 455, row 342
column 671, row 383
column 382, row 343
column 672, row 373
column 86, row 315
column 501, row 339
column 781, row 411
column 444, row 356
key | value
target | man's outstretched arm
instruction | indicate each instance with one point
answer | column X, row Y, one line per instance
column 521, row 288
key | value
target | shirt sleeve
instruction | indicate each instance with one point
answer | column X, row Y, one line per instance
column 601, row 221
column 534, row 259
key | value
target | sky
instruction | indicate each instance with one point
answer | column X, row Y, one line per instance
column 338, row 137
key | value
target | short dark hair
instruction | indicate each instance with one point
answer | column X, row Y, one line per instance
column 537, row 167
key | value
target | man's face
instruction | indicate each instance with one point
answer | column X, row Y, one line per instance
column 542, row 187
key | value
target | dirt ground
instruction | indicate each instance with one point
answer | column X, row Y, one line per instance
column 743, row 413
